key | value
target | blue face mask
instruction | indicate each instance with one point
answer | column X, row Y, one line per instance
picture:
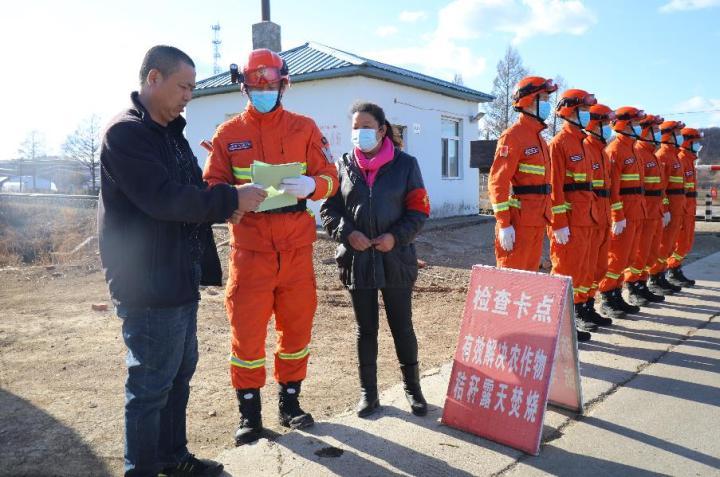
column 584, row 118
column 637, row 130
column 544, row 110
column 264, row 101
column 607, row 132
column 679, row 139
column 696, row 146
column 364, row 139
column 657, row 136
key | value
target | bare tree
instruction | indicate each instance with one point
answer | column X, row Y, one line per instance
column 500, row 113
column 83, row 146
column 30, row 150
column 555, row 122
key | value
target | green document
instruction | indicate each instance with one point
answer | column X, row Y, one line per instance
column 269, row 176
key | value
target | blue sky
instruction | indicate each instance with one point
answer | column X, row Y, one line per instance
column 64, row 61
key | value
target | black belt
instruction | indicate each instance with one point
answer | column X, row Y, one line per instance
column 675, row 192
column 691, row 194
column 544, row 189
column 577, row 186
column 631, row 190
column 654, row 193
column 301, row 206
column 602, row 192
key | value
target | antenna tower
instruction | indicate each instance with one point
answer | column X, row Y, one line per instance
column 216, row 48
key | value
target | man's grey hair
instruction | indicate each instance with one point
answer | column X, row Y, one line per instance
column 165, row 59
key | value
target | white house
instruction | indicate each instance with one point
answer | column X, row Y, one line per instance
column 437, row 118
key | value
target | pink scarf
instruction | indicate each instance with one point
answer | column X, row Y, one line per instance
column 370, row 167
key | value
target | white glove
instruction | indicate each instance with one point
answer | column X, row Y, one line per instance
column 666, row 219
column 618, row 227
column 506, row 237
column 562, row 236
column 301, row 186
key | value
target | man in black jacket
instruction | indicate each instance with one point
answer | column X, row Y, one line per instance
column 156, row 246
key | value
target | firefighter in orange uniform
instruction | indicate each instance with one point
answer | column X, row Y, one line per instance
column 674, row 171
column 271, row 267
column 688, row 154
column 575, row 208
column 626, row 195
column 519, row 182
column 599, row 133
column 652, row 226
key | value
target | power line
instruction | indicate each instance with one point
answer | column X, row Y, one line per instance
column 691, row 112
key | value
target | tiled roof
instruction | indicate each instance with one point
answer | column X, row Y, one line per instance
column 313, row 61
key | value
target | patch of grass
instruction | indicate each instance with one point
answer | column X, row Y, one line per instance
column 30, row 232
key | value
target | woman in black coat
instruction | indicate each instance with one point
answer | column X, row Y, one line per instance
column 380, row 207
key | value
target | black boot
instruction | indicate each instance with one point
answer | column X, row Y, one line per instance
column 291, row 415
column 634, row 295
column 413, row 393
column 593, row 316
column 646, row 293
column 583, row 336
column 622, row 304
column 655, row 287
column 250, row 427
column 609, row 306
column 582, row 322
column 666, row 285
column 369, row 400
column 676, row 277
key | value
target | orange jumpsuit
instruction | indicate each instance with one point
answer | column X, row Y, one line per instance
column 687, row 232
column 653, row 191
column 626, row 174
column 650, row 200
column 675, row 193
column 519, row 189
column 600, row 238
column 271, row 267
column 572, row 193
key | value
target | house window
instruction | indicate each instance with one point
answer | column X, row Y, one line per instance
column 450, row 134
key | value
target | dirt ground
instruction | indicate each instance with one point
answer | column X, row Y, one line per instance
column 62, row 364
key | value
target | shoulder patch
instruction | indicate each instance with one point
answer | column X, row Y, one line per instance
column 239, row 146
column 576, row 158
column 532, row 150
column 503, row 151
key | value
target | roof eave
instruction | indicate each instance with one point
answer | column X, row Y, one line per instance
column 367, row 71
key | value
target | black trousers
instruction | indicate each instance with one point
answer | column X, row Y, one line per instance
column 398, row 307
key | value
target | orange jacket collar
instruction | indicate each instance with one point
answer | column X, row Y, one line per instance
column 625, row 140
column 531, row 122
column 264, row 117
column 596, row 141
column 574, row 130
column 649, row 146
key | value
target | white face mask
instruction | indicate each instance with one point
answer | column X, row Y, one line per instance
column 365, row 139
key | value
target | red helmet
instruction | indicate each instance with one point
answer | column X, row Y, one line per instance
column 650, row 121
column 529, row 88
column 263, row 67
column 571, row 99
column 624, row 115
column 689, row 135
column 598, row 114
column 668, row 128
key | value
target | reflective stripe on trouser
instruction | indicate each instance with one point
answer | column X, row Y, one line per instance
column 573, row 260
column 638, row 260
column 619, row 253
column 684, row 243
column 598, row 257
column 262, row 284
column 526, row 252
column 654, row 251
column 667, row 245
